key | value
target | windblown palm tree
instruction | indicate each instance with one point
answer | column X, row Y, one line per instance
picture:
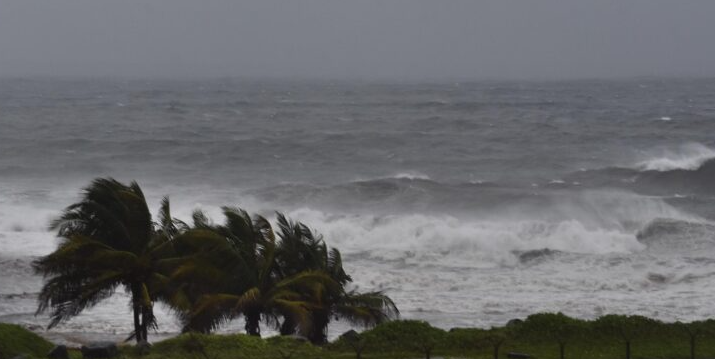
column 301, row 250
column 239, row 261
column 108, row 241
column 209, row 274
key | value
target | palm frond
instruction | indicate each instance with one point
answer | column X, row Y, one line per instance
column 108, row 240
column 169, row 226
column 366, row 308
column 211, row 312
column 201, row 220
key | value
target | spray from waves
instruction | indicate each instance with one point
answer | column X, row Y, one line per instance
column 25, row 218
column 447, row 241
column 444, row 240
column 687, row 157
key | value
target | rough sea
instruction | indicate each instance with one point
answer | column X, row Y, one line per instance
column 470, row 204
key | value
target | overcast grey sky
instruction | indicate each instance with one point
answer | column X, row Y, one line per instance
column 369, row 39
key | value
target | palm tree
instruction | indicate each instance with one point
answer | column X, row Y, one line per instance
column 238, row 260
column 302, row 250
column 108, row 241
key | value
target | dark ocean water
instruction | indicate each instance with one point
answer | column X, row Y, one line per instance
column 444, row 195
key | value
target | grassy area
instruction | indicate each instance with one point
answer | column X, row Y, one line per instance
column 15, row 340
column 539, row 335
column 194, row 346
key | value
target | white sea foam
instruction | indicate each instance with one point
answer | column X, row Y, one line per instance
column 448, row 241
column 687, row 157
column 597, row 224
column 412, row 175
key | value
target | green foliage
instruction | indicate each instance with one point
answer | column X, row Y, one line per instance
column 295, row 283
column 208, row 273
column 212, row 346
column 108, row 241
column 552, row 327
column 300, row 249
column 402, row 335
column 625, row 327
column 396, row 340
column 16, row 340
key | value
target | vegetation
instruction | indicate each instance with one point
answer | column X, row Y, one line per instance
column 15, row 340
column 556, row 328
column 397, row 340
column 108, row 241
column 695, row 331
column 208, row 273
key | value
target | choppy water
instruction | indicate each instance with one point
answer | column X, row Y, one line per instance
column 444, row 195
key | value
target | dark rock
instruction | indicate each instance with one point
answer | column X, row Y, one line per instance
column 58, row 352
column 512, row 355
column 350, row 335
column 99, row 350
column 514, row 322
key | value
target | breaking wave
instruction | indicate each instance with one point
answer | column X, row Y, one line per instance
column 687, row 157
column 599, row 226
column 687, row 173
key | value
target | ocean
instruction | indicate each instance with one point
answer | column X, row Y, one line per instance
column 469, row 204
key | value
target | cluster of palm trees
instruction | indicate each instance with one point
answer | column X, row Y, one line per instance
column 208, row 273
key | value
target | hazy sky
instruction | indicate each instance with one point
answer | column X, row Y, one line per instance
column 369, row 39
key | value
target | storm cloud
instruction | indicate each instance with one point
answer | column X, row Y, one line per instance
column 364, row 39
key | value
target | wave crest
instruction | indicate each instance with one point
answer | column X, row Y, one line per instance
column 688, row 157
column 425, row 240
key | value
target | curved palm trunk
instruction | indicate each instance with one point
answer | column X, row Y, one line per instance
column 319, row 332
column 253, row 319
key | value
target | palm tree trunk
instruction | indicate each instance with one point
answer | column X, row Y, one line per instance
column 628, row 349
column 253, row 319
column 138, row 313
column 288, row 326
column 562, row 350
column 146, row 320
column 318, row 333
column 692, row 347
column 137, row 324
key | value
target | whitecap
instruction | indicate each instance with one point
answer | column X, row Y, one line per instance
column 686, row 157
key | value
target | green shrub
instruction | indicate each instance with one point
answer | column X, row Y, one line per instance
column 214, row 346
column 16, row 340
